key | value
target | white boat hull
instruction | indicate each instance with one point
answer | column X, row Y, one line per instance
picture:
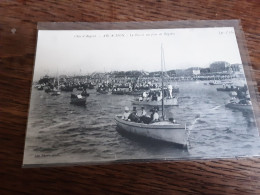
column 167, row 102
column 163, row 131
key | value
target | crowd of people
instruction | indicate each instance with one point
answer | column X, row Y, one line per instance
column 142, row 116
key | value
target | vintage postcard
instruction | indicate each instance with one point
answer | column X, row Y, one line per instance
column 116, row 95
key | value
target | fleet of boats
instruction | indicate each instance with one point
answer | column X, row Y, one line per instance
column 159, row 96
column 167, row 130
column 164, row 130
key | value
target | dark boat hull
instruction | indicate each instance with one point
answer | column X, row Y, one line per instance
column 78, row 102
column 237, row 106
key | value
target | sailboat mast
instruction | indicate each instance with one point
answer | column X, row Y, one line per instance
column 58, row 87
column 162, row 63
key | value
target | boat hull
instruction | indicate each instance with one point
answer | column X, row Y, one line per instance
column 102, row 92
column 167, row 102
column 78, row 102
column 225, row 89
column 55, row 93
column 118, row 92
column 163, row 131
column 237, row 106
column 135, row 93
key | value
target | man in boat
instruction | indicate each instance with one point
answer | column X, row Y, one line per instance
column 143, row 117
column 126, row 114
column 133, row 116
column 159, row 97
column 143, row 112
column 155, row 116
column 154, row 96
column 170, row 90
column 144, row 95
column 140, row 98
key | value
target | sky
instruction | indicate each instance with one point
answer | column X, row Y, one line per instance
column 80, row 52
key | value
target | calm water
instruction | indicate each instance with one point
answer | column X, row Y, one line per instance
column 59, row 132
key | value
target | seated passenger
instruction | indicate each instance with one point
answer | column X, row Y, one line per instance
column 143, row 117
column 143, row 112
column 156, row 116
column 126, row 114
column 172, row 120
column 133, row 116
column 159, row 98
column 154, row 97
column 144, row 94
column 140, row 98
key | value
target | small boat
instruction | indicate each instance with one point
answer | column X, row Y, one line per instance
column 222, row 82
column 47, row 89
column 102, row 91
column 67, row 88
column 89, row 86
column 40, row 87
column 135, row 93
column 167, row 102
column 164, row 131
column 153, row 100
column 80, row 88
column 84, row 93
column 119, row 92
column 215, row 83
column 78, row 100
column 243, row 105
column 227, row 88
column 125, row 91
column 55, row 92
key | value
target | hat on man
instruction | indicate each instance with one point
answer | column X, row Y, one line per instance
column 126, row 108
column 134, row 108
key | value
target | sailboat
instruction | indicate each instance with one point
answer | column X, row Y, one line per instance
column 168, row 101
column 56, row 91
column 163, row 130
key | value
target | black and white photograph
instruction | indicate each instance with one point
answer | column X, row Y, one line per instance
column 101, row 96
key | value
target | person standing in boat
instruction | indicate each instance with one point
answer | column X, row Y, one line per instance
column 126, row 114
column 170, row 88
column 144, row 95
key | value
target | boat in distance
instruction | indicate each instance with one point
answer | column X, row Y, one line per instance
column 239, row 106
column 77, row 100
column 167, row 102
column 163, row 131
